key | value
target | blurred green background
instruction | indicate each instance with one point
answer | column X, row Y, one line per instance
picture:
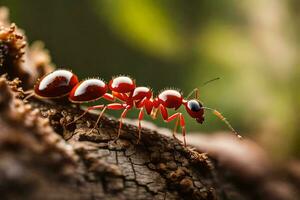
column 252, row 45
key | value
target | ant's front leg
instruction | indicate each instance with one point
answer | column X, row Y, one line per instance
column 179, row 117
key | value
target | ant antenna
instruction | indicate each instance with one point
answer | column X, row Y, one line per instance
column 209, row 81
column 221, row 117
column 196, row 90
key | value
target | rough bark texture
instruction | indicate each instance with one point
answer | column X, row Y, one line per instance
column 43, row 158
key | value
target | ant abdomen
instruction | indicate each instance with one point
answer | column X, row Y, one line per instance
column 56, row 84
column 88, row 90
column 122, row 84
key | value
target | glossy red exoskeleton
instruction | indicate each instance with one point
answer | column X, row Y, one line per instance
column 60, row 83
column 56, row 84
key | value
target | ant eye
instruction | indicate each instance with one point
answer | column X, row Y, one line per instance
column 194, row 105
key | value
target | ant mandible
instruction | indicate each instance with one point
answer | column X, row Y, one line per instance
column 60, row 83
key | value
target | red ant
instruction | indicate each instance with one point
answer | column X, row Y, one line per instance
column 64, row 83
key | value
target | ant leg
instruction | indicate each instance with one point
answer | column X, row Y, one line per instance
column 85, row 112
column 175, row 128
column 141, row 116
column 148, row 107
column 221, row 117
column 164, row 114
column 116, row 106
column 182, row 124
column 112, row 106
column 123, row 115
column 166, row 117
column 98, row 119
column 29, row 94
column 106, row 96
column 196, row 91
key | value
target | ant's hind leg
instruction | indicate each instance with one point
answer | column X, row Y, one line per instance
column 141, row 116
column 123, row 115
column 98, row 119
column 118, row 106
column 85, row 112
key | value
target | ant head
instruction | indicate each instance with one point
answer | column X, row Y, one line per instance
column 195, row 110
